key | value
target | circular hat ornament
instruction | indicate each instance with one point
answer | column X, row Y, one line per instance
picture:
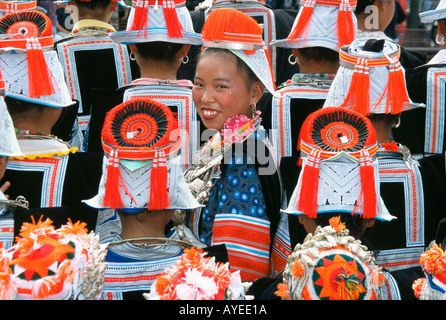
column 139, row 123
column 26, row 24
column 337, row 129
column 331, row 265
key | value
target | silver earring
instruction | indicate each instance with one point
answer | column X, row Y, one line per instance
column 293, row 61
column 184, row 59
column 440, row 39
column 396, row 125
column 254, row 109
column 133, row 56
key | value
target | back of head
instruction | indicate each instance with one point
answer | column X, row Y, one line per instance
column 362, row 5
column 93, row 5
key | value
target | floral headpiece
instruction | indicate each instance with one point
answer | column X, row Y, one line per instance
column 331, row 265
column 433, row 286
column 196, row 277
column 48, row 263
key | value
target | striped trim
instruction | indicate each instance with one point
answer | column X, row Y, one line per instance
column 281, row 248
column 6, row 231
column 435, row 109
column 281, row 136
column 396, row 170
column 133, row 276
column 399, row 259
column 14, row 6
column 247, row 240
column 53, row 169
column 67, row 50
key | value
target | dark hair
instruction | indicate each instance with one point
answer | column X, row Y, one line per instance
column 93, row 4
column 17, row 108
column 159, row 50
column 354, row 223
column 319, row 54
column 361, row 5
column 241, row 65
column 387, row 118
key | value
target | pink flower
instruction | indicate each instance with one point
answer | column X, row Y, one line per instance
column 196, row 286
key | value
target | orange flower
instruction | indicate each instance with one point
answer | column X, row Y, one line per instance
column 48, row 251
column 7, row 286
column 297, row 270
column 78, row 228
column 192, row 258
column 336, row 223
column 417, row 286
column 161, row 285
column 282, row 291
column 390, row 146
column 28, row 228
column 434, row 260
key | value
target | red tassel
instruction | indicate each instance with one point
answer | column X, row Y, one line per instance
column 368, row 191
column 159, row 183
column 302, row 24
column 310, row 185
column 112, row 196
column 39, row 75
column 358, row 96
column 396, row 90
column 140, row 17
column 345, row 27
column 174, row 27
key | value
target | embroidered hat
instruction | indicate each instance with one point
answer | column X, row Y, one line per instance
column 158, row 20
column 142, row 167
column 370, row 79
column 331, row 265
column 121, row 3
column 339, row 166
column 433, row 286
column 54, row 264
column 196, row 277
column 322, row 23
column 9, row 146
column 433, row 15
column 29, row 63
column 230, row 29
column 9, row 6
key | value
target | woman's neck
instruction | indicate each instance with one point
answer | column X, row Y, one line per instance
column 33, row 126
column 311, row 66
column 144, row 224
column 157, row 70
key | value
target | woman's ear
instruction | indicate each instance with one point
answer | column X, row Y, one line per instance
column 441, row 27
column 133, row 48
column 113, row 6
column 257, row 90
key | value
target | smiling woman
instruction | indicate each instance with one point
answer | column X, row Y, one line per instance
column 242, row 206
column 224, row 87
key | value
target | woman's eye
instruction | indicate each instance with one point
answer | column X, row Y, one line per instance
column 197, row 84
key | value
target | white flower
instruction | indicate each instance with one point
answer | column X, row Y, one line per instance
column 196, row 286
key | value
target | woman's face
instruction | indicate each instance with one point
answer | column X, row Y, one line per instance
column 221, row 90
